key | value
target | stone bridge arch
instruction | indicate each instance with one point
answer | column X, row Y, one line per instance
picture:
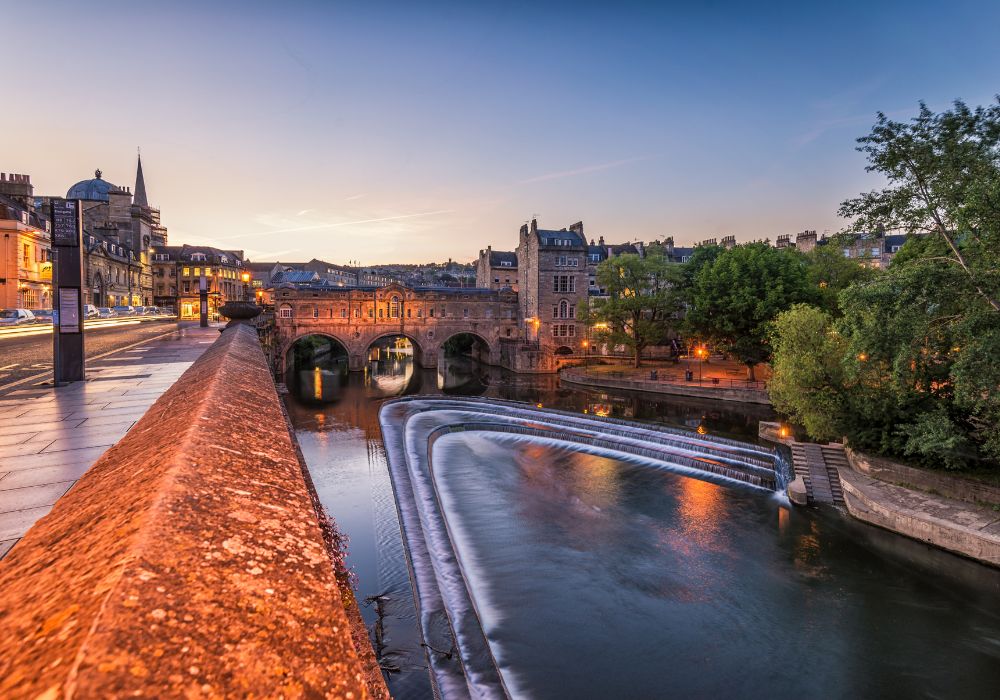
column 428, row 317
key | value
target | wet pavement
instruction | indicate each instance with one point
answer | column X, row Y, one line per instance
column 50, row 436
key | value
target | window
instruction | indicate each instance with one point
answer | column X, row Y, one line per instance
column 563, row 283
column 506, row 263
column 371, row 313
column 420, row 313
column 394, row 307
column 409, row 313
column 432, row 312
column 315, row 312
column 574, row 262
column 465, row 313
column 285, row 311
column 847, row 252
column 563, row 330
column 496, row 280
column 381, row 313
column 197, row 272
column 876, row 252
column 357, row 312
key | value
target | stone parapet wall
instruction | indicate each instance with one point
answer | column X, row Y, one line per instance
column 939, row 483
column 188, row 561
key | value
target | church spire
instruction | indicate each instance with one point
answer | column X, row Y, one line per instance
column 140, row 186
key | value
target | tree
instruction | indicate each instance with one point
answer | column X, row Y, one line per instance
column 643, row 300
column 927, row 388
column 940, row 326
column 829, row 272
column 735, row 297
column 944, row 180
column 807, row 381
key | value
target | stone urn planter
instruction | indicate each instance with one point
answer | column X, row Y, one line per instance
column 239, row 312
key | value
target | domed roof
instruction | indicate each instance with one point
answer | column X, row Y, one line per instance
column 96, row 189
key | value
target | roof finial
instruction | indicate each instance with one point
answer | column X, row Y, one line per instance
column 97, row 173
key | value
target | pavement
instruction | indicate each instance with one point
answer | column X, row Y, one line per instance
column 26, row 352
column 50, row 436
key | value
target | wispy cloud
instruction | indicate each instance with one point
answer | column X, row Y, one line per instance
column 337, row 224
column 303, row 212
column 353, row 197
column 584, row 170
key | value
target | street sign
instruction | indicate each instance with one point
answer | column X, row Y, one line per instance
column 67, row 338
column 66, row 222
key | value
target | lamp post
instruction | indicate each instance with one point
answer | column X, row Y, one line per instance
column 701, row 355
column 599, row 326
column 246, row 285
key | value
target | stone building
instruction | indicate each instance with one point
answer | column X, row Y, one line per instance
column 552, row 281
column 177, row 273
column 26, row 263
column 496, row 269
column 119, row 229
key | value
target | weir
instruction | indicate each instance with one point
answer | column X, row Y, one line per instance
column 459, row 654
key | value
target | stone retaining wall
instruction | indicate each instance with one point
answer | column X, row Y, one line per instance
column 939, row 483
column 721, row 393
column 188, row 561
column 866, row 502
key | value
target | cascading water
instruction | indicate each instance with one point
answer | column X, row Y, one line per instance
column 458, row 651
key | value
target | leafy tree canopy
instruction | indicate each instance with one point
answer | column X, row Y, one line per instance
column 735, row 297
column 944, row 180
column 642, row 303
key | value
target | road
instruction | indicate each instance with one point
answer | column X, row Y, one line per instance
column 29, row 354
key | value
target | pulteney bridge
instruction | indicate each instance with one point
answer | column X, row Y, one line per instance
column 358, row 317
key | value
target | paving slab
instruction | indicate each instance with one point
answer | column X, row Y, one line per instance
column 50, row 436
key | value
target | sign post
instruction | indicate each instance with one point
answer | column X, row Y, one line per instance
column 203, row 298
column 67, row 330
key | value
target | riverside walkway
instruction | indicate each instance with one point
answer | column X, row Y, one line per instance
column 715, row 379
column 50, row 437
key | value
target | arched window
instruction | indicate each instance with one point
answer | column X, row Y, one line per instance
column 394, row 307
column 564, row 309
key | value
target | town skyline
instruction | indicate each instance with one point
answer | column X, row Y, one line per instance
column 388, row 134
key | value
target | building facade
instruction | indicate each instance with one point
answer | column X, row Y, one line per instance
column 497, row 269
column 26, row 273
column 119, row 230
column 178, row 271
column 552, row 282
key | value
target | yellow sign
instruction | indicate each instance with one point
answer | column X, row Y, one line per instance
column 46, row 272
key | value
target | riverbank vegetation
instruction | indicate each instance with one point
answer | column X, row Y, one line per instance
column 907, row 362
column 902, row 361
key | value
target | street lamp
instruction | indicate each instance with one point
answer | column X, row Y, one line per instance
column 246, row 281
column 701, row 352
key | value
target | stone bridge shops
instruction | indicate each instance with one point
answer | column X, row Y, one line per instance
column 358, row 317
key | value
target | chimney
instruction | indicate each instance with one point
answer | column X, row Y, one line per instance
column 600, row 241
column 577, row 228
column 18, row 187
column 534, row 226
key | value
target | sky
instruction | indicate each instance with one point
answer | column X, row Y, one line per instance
column 416, row 131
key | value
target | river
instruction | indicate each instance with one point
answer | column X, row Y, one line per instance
column 614, row 580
